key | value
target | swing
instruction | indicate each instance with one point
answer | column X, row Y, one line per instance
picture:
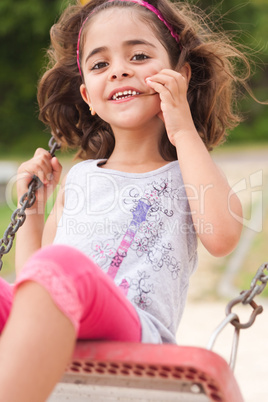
column 123, row 371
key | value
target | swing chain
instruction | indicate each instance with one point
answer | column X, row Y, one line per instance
column 27, row 200
column 258, row 284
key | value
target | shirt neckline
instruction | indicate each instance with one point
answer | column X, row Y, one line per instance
column 99, row 169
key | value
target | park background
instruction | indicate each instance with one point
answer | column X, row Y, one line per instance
column 24, row 38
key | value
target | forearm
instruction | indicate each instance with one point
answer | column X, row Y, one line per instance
column 213, row 205
column 29, row 237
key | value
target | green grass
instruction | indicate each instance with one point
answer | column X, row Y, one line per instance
column 5, row 219
column 256, row 256
column 8, row 259
column 65, row 158
column 19, row 157
column 232, row 147
column 5, row 216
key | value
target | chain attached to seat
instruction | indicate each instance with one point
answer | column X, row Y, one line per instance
column 257, row 286
column 27, row 200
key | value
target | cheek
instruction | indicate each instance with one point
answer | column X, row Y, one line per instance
column 161, row 64
column 156, row 68
column 93, row 90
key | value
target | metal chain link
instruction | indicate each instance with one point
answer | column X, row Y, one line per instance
column 27, row 200
column 257, row 286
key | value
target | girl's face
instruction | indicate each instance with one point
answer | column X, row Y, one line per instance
column 119, row 53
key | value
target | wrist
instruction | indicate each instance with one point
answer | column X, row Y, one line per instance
column 37, row 208
column 34, row 203
column 186, row 135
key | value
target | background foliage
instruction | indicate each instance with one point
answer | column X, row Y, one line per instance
column 24, row 36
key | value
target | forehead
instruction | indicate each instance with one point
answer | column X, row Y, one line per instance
column 117, row 21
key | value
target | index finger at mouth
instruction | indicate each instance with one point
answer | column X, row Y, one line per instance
column 168, row 81
column 162, row 90
column 166, row 77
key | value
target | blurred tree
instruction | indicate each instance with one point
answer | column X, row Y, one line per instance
column 24, row 35
column 247, row 21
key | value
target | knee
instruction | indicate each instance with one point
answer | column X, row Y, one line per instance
column 54, row 268
column 5, row 302
column 66, row 258
column 68, row 261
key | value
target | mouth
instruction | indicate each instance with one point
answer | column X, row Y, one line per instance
column 124, row 94
column 129, row 94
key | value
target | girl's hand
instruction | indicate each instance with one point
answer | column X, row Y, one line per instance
column 46, row 168
column 175, row 111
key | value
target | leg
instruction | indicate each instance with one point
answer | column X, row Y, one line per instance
column 35, row 346
column 6, row 296
column 96, row 306
column 108, row 314
column 60, row 294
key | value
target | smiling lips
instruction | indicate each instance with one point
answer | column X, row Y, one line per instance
column 125, row 94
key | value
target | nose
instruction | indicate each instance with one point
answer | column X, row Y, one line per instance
column 119, row 75
column 120, row 71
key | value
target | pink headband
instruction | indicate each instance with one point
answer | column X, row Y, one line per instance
column 141, row 3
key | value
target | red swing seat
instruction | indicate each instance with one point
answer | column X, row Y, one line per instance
column 117, row 371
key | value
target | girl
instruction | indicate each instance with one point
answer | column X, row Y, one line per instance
column 144, row 91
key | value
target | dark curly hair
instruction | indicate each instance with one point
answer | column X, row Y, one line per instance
column 212, row 93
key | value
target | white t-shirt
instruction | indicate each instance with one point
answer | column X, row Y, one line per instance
column 138, row 228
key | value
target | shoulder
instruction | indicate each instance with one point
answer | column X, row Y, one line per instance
column 80, row 166
column 77, row 171
column 172, row 171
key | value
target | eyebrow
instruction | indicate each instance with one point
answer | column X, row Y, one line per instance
column 128, row 43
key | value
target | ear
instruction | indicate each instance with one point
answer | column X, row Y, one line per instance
column 84, row 94
column 186, row 72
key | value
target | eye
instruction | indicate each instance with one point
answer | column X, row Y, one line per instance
column 140, row 57
column 99, row 65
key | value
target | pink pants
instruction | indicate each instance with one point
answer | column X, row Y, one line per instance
column 97, row 308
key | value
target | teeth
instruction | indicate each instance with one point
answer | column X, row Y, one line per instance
column 125, row 94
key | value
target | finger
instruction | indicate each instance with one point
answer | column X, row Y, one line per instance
column 42, row 158
column 41, row 152
column 57, row 169
column 38, row 166
column 42, row 168
column 172, row 80
column 43, row 163
column 164, row 92
column 172, row 74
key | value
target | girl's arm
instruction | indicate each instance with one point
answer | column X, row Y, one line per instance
column 53, row 219
column 213, row 205
column 29, row 236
